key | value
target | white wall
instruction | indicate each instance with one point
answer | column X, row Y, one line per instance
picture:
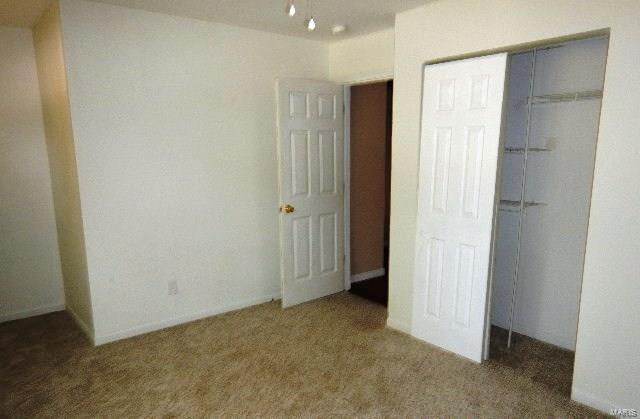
column 175, row 128
column 607, row 367
column 30, row 274
column 60, row 148
column 362, row 58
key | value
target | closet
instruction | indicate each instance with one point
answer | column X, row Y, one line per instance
column 550, row 127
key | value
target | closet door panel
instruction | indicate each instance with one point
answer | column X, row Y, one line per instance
column 460, row 139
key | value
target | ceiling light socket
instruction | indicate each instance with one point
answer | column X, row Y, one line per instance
column 338, row 29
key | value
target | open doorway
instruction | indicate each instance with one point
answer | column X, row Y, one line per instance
column 370, row 109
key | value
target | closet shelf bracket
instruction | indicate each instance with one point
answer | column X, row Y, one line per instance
column 520, row 150
column 567, row 97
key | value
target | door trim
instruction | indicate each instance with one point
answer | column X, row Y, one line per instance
column 347, row 186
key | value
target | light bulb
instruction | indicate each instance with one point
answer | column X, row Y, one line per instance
column 291, row 9
column 311, row 24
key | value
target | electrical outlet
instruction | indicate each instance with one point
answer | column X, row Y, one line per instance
column 173, row 287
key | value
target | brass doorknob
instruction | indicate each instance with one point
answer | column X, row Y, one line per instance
column 287, row 209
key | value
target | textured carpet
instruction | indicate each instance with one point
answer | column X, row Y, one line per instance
column 331, row 357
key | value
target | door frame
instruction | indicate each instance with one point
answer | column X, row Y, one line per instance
column 347, row 171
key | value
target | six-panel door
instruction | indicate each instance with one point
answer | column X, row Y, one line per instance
column 462, row 108
column 310, row 131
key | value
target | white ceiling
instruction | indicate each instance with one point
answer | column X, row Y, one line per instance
column 360, row 16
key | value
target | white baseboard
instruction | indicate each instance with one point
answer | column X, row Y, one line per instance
column 82, row 325
column 23, row 314
column 151, row 327
column 595, row 402
column 367, row 275
column 399, row 326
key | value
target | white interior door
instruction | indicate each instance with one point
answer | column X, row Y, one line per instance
column 460, row 140
column 311, row 170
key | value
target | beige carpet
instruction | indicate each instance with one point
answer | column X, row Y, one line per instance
column 332, row 357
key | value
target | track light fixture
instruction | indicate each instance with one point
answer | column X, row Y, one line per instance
column 291, row 8
column 310, row 23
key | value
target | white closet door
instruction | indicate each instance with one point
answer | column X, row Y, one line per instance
column 461, row 120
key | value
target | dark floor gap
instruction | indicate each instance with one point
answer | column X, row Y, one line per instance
column 374, row 289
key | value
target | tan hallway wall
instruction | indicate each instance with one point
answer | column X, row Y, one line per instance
column 368, row 178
